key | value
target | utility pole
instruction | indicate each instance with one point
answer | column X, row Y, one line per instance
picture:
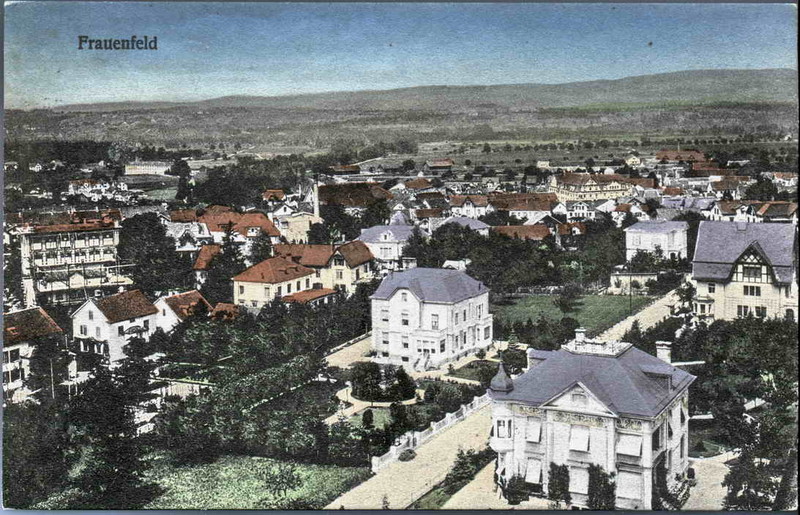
column 52, row 380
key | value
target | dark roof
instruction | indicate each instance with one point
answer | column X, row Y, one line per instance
column 305, row 296
column 536, row 232
column 721, row 244
column 206, row 255
column 225, row 311
column 355, row 253
column 431, row 285
column 125, row 305
column 626, row 383
column 27, row 325
column 475, row 225
column 352, row 194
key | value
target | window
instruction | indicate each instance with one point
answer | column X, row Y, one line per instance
column 84, row 330
column 712, row 288
column 752, row 291
column 404, row 297
column 241, row 290
column 487, row 332
column 404, row 358
column 702, row 309
column 254, row 303
column 465, row 316
column 97, row 332
column 404, row 318
column 751, row 273
column 579, row 480
column 455, row 317
column 385, row 338
column 441, row 346
column 533, row 471
column 120, row 331
column 289, row 288
column 761, row 311
column 385, row 354
column 503, row 428
column 384, row 315
column 404, row 339
column 339, row 275
column 629, row 445
column 742, row 311
column 91, row 315
column 434, row 321
column 146, row 325
column 533, row 431
column 13, row 355
column 297, row 286
column 579, row 438
column 629, row 485
column 656, row 439
column 308, row 283
column 278, row 291
column 579, row 399
column 267, row 291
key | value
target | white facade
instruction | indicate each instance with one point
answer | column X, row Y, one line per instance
column 670, row 237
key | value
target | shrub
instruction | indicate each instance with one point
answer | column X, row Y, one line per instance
column 407, row 455
column 516, row 490
column 481, row 354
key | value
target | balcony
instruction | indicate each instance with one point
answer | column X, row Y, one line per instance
column 501, row 444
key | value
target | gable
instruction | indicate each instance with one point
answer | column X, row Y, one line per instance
column 578, row 398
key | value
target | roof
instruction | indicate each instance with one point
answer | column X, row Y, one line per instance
column 721, row 244
column 478, row 200
column 355, row 253
column 225, row 311
column 471, row 223
column 353, row 194
column 773, row 208
column 187, row 304
column 125, row 306
column 439, row 285
column 524, row 232
column 428, row 213
column 66, row 221
column 419, row 183
column 273, row 194
column 305, row 296
column 579, row 179
column 272, row 271
column 183, row 215
column 680, row 155
column 658, row 227
column 725, row 184
column 566, row 229
column 27, row 325
column 624, row 383
column 672, row 190
column 523, row 205
column 689, row 203
column 396, row 233
column 205, row 256
column 241, row 222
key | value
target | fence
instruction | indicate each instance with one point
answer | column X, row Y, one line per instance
column 348, row 343
column 414, row 439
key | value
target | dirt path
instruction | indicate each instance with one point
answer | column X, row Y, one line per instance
column 402, row 483
column 345, row 358
column 358, row 405
column 708, row 494
column 648, row 317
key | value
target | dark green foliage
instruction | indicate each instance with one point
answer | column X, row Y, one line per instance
column 143, row 241
column 227, row 264
column 366, row 378
column 763, row 189
column 558, row 484
column 185, row 429
column 48, row 368
column 279, row 479
column 568, row 299
column 467, row 464
column 34, row 452
column 602, row 489
column 368, row 419
column 260, row 248
column 406, row 386
column 516, row 490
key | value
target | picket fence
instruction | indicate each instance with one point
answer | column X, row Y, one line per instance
column 414, row 439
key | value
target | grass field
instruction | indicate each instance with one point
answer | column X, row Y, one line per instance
column 472, row 369
column 596, row 312
column 232, row 482
column 381, row 417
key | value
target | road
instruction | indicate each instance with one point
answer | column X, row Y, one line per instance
column 708, row 494
column 648, row 317
column 402, row 483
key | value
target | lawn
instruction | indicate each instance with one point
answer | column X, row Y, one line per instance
column 472, row 370
column 381, row 417
column 232, row 482
column 596, row 312
column 317, row 395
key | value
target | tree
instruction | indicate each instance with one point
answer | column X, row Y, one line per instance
column 408, row 165
column 368, row 419
column 750, row 485
column 602, row 489
column 366, row 379
column 487, row 148
column 279, row 478
column 763, row 189
column 49, row 364
column 261, row 248
column 224, row 266
column 569, row 298
column 406, row 386
column 184, row 428
column 558, row 484
column 143, row 242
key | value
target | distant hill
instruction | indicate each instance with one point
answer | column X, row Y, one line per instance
column 686, row 87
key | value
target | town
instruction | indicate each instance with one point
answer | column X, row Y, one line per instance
column 400, row 256
column 526, row 337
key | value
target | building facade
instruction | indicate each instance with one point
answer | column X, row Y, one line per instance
column 742, row 269
column 386, row 242
column 584, row 186
column 592, row 402
column 22, row 330
column 271, row 279
column 670, row 237
column 424, row 318
column 336, row 267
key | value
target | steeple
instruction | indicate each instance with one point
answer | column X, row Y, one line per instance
column 501, row 382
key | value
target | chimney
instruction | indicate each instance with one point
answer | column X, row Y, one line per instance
column 664, row 351
column 580, row 335
column 316, row 197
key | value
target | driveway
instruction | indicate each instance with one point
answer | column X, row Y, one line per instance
column 648, row 317
column 708, row 494
column 482, row 494
column 402, row 483
column 344, row 358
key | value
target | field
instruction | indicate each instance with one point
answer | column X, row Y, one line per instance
column 232, row 482
column 472, row 369
column 596, row 312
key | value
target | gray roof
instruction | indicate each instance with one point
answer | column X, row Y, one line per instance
column 396, row 233
column 629, row 384
column 720, row 244
column 665, row 213
column 399, row 218
column 431, row 285
column 688, row 203
column 475, row 225
column 658, row 227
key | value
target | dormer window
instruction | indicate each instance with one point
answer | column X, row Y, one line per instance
column 579, row 399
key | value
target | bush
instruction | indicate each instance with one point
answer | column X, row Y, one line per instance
column 481, row 354
column 516, row 490
column 407, row 455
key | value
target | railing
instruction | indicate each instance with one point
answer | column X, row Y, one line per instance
column 414, row 439
column 348, row 343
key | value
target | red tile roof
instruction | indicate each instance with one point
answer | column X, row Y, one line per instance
column 672, row 191
column 306, row 296
column 27, row 325
column 477, row 200
column 353, row 194
column 206, row 256
column 428, row 213
column 241, row 222
column 524, row 232
column 187, row 304
column 225, row 311
column 566, row 229
column 183, row 215
column 355, row 253
column 126, row 305
column 273, row 270
column 420, row 183
column 579, row 179
column 680, row 155
column 273, row 194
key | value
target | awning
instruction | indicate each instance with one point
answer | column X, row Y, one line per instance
column 533, row 473
column 534, row 430
column 630, row 445
column 579, row 438
column 629, row 485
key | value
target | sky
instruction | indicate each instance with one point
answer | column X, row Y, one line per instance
column 208, row 50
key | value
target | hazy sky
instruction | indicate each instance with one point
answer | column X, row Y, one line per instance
column 207, row 50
